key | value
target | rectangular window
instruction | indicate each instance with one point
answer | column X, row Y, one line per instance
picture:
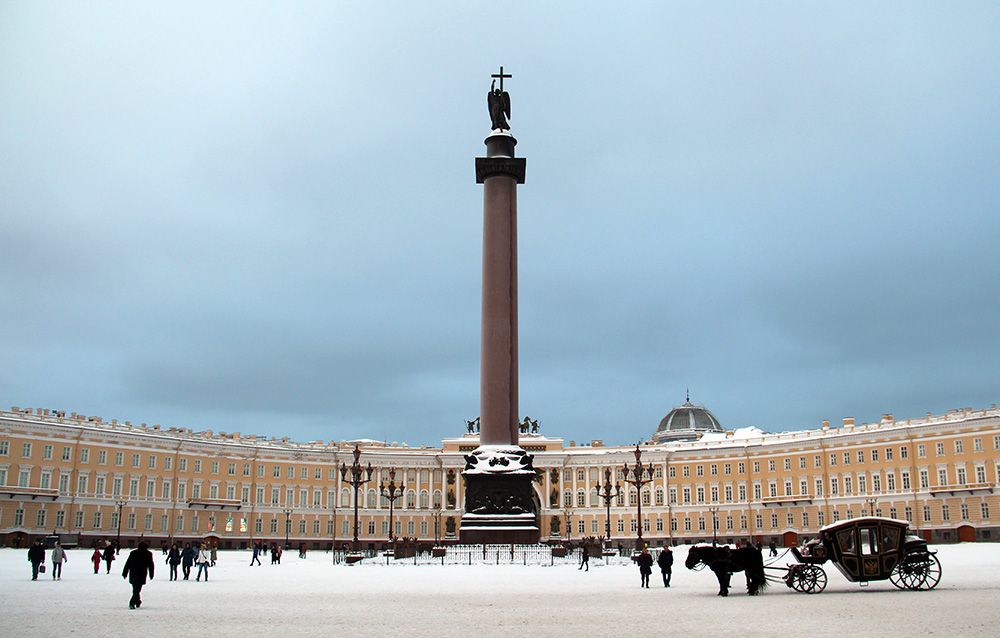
column 817, row 461
column 197, row 466
column 276, row 471
column 940, row 448
column 26, row 450
column 150, row 488
column 151, row 462
column 97, row 520
column 741, row 467
column 980, row 474
column 924, row 479
column 135, row 460
column 890, row 481
column 727, row 469
column 66, row 456
column 888, row 454
column 168, row 462
column 833, row 459
column 231, row 469
column 959, row 447
column 904, row 452
column 713, row 469
column 927, row 513
column 819, row 487
column 4, row 448
column 788, row 464
column 47, row 452
column 756, row 466
column 942, row 476
column 905, row 476
column 847, row 458
column 984, row 510
column 802, row 462
column 182, row 465
column 119, row 458
column 84, row 458
column 78, row 519
column 875, row 454
column 977, row 445
column 215, row 467
column 699, row 470
column 46, row 480
column 945, row 513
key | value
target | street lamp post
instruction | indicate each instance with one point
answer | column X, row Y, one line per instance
column 391, row 492
column 288, row 523
column 437, row 527
column 118, row 539
column 641, row 475
column 357, row 478
column 608, row 492
column 715, row 522
column 871, row 501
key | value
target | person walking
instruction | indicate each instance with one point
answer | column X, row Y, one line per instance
column 173, row 559
column 58, row 558
column 137, row 565
column 215, row 554
column 256, row 554
column 773, row 548
column 666, row 562
column 302, row 550
column 36, row 556
column 279, row 554
column 187, row 559
column 109, row 555
column 585, row 559
column 274, row 554
column 645, row 561
column 96, row 558
column 204, row 560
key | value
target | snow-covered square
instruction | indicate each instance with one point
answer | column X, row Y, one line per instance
column 313, row 597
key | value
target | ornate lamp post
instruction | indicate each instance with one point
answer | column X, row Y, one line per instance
column 871, row 501
column 608, row 492
column 120, row 503
column 357, row 475
column 288, row 523
column 715, row 522
column 641, row 475
column 436, row 516
column 391, row 492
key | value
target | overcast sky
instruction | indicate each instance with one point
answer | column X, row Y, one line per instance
column 264, row 217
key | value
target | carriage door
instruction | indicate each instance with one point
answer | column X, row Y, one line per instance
column 850, row 562
column 869, row 544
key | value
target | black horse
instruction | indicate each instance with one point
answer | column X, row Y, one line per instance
column 725, row 561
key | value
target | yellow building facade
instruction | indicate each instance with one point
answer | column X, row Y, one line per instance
column 74, row 475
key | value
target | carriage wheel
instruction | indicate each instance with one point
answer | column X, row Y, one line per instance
column 917, row 572
column 808, row 579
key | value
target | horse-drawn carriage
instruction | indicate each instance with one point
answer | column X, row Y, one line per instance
column 863, row 550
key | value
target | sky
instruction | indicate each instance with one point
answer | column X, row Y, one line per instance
column 263, row 217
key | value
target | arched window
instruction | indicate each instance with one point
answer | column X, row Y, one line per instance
column 594, row 497
column 437, row 499
column 424, row 499
column 411, row 498
column 581, row 498
column 372, row 496
column 645, row 496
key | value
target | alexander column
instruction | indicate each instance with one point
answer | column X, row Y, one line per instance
column 499, row 503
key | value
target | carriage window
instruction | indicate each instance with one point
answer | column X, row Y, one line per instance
column 845, row 538
column 869, row 541
column 890, row 537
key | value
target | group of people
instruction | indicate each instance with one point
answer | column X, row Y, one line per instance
column 665, row 561
column 36, row 556
column 275, row 549
column 198, row 554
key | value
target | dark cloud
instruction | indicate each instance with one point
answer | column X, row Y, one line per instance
column 266, row 220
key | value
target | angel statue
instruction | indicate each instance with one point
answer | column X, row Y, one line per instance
column 499, row 105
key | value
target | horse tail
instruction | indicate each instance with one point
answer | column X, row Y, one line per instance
column 758, row 577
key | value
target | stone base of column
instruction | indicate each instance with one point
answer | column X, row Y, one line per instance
column 500, row 502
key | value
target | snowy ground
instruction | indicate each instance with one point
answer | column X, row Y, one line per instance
column 311, row 597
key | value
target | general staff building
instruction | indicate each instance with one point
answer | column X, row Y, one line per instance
column 75, row 475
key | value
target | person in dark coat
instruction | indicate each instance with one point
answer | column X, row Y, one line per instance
column 645, row 562
column 666, row 562
column 274, row 554
column 256, row 554
column 109, row 555
column 173, row 559
column 585, row 558
column 187, row 559
column 773, row 548
column 36, row 556
column 139, row 562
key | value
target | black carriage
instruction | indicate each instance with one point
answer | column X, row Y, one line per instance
column 865, row 549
